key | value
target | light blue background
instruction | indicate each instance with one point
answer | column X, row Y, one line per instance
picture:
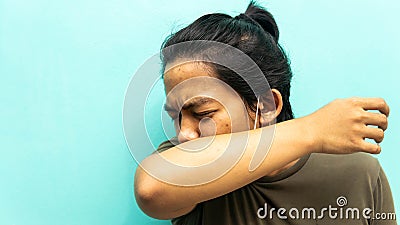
column 65, row 66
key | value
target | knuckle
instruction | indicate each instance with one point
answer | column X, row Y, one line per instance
column 354, row 100
column 384, row 119
column 357, row 129
column 358, row 116
column 354, row 141
column 378, row 149
column 353, row 131
column 381, row 134
column 363, row 115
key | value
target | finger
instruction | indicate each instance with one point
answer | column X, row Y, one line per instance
column 374, row 133
column 370, row 147
column 374, row 104
column 376, row 119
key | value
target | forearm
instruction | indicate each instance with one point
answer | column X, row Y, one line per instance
column 291, row 142
column 337, row 128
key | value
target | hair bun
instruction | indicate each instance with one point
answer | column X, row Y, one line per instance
column 264, row 18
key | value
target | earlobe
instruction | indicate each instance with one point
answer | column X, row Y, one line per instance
column 267, row 118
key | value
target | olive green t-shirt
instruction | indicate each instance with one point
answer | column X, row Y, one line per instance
column 318, row 189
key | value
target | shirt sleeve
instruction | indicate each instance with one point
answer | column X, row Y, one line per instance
column 167, row 145
column 384, row 213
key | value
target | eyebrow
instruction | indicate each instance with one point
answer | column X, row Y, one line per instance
column 195, row 102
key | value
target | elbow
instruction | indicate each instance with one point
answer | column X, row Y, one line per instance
column 148, row 194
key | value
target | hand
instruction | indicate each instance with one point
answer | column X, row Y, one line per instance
column 342, row 126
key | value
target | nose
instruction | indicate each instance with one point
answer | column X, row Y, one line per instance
column 188, row 129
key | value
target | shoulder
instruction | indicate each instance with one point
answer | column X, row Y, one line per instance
column 356, row 164
column 355, row 160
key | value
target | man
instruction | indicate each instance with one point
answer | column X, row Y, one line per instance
column 213, row 106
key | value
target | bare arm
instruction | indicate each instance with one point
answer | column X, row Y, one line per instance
column 339, row 127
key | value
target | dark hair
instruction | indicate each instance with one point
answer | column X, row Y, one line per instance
column 256, row 34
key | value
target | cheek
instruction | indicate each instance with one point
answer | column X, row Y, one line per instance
column 237, row 119
column 223, row 123
column 223, row 127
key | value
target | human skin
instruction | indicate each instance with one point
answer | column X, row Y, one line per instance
column 340, row 127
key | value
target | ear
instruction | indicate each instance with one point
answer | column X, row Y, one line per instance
column 270, row 113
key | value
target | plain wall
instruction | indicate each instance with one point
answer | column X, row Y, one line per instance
column 65, row 66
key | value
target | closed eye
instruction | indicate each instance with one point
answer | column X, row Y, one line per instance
column 204, row 114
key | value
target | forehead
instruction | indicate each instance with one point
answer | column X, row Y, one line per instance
column 187, row 82
column 178, row 72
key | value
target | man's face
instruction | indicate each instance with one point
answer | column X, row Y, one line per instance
column 200, row 104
